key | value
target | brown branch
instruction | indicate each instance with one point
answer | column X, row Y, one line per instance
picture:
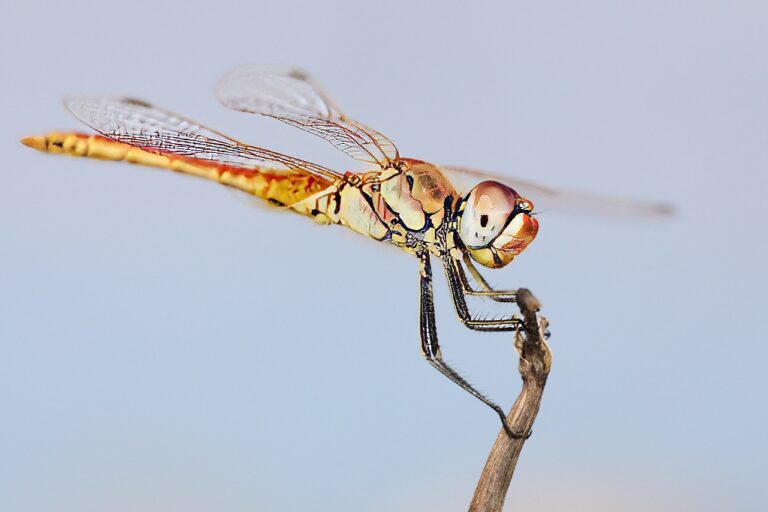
column 535, row 363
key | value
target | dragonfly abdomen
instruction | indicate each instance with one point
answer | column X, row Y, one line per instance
column 281, row 187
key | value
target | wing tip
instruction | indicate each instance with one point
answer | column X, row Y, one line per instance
column 253, row 70
column 664, row 209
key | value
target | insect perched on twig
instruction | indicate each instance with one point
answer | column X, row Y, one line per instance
column 402, row 201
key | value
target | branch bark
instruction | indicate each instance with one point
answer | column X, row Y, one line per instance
column 535, row 363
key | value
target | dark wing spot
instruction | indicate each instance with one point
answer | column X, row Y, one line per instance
column 483, row 220
column 298, row 74
column 136, row 102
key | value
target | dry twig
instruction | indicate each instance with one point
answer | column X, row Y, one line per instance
column 535, row 363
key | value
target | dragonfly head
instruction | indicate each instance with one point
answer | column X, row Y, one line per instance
column 495, row 224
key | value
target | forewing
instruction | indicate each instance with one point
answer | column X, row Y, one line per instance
column 290, row 95
column 547, row 198
column 157, row 130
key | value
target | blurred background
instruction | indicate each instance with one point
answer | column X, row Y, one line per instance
column 168, row 346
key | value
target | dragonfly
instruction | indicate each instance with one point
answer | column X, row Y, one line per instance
column 412, row 204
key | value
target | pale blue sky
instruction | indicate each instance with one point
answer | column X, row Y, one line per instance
column 168, row 346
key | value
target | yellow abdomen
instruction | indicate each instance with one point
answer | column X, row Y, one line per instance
column 283, row 187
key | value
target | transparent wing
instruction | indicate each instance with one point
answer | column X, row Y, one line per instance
column 546, row 198
column 157, row 130
column 288, row 94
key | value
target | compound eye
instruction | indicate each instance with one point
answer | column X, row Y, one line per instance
column 488, row 207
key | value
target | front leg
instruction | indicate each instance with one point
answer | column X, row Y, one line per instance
column 487, row 290
column 430, row 348
column 456, row 282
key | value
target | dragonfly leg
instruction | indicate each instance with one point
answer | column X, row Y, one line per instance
column 486, row 289
column 430, row 348
column 456, row 282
